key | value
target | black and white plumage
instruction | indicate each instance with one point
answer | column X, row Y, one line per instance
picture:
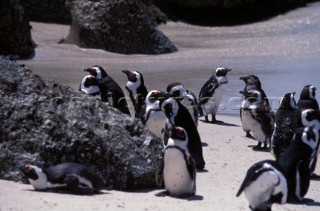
column 153, row 116
column 110, row 91
column 264, row 184
column 75, row 177
column 256, row 117
column 211, row 94
column 308, row 98
column 178, row 168
column 295, row 162
column 87, row 87
column 286, row 123
column 137, row 91
column 179, row 116
column 187, row 98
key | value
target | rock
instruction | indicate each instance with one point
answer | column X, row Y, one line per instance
column 225, row 12
column 50, row 11
column 15, row 35
column 45, row 123
column 121, row 26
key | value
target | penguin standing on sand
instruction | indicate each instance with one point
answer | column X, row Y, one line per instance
column 256, row 117
column 264, row 185
column 75, row 177
column 211, row 93
column 295, row 162
column 153, row 116
column 110, row 91
column 286, row 123
column 308, row 98
column 186, row 97
column 86, row 87
column 137, row 90
column 179, row 116
column 178, row 168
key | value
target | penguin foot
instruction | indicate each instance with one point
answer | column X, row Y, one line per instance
column 314, row 176
column 206, row 118
column 248, row 135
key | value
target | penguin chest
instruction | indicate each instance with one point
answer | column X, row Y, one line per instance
column 156, row 122
column 212, row 105
column 176, row 175
column 249, row 123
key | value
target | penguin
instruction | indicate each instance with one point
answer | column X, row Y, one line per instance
column 295, row 162
column 110, row 91
column 88, row 89
column 285, row 125
column 177, row 167
column 187, row 98
column 153, row 117
column 75, row 177
column 308, row 98
column 211, row 93
column 257, row 118
column 264, row 184
column 137, row 91
column 179, row 116
column 311, row 118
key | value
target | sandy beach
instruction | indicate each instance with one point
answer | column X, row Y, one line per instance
column 228, row 155
column 272, row 49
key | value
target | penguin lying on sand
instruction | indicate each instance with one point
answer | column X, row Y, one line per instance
column 286, row 123
column 211, row 94
column 178, row 168
column 186, row 97
column 295, row 162
column 256, row 117
column 264, row 184
column 74, row 177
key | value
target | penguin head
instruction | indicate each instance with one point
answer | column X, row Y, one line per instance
column 96, row 71
column 251, row 80
column 170, row 108
column 89, row 85
column 155, row 98
column 178, row 137
column 36, row 177
column 288, row 101
column 310, row 117
column 132, row 75
column 221, row 74
column 177, row 90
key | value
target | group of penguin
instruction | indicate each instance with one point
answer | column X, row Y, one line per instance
column 292, row 133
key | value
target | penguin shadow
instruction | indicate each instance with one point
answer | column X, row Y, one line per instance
column 202, row 171
column 186, row 198
column 315, row 177
column 219, row 122
column 262, row 149
column 79, row 192
column 306, row 202
column 204, row 144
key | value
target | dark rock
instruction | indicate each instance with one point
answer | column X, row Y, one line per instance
column 121, row 26
column 50, row 11
column 225, row 12
column 45, row 123
column 15, row 35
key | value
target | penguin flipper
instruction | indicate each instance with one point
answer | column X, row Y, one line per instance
column 72, row 182
column 191, row 167
column 159, row 174
column 247, row 180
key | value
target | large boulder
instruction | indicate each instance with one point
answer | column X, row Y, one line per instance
column 121, row 26
column 15, row 35
column 51, row 11
column 45, row 123
column 225, row 12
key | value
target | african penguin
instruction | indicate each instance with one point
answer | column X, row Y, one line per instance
column 137, row 91
column 285, row 125
column 308, row 98
column 187, row 98
column 153, row 116
column 110, row 91
column 211, row 94
column 86, row 87
column 295, row 162
column 178, row 168
column 179, row 116
column 75, row 177
column 257, row 118
column 264, row 184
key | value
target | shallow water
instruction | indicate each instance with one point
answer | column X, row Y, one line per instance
column 284, row 52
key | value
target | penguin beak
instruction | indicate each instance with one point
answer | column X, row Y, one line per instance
column 127, row 72
column 244, row 78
